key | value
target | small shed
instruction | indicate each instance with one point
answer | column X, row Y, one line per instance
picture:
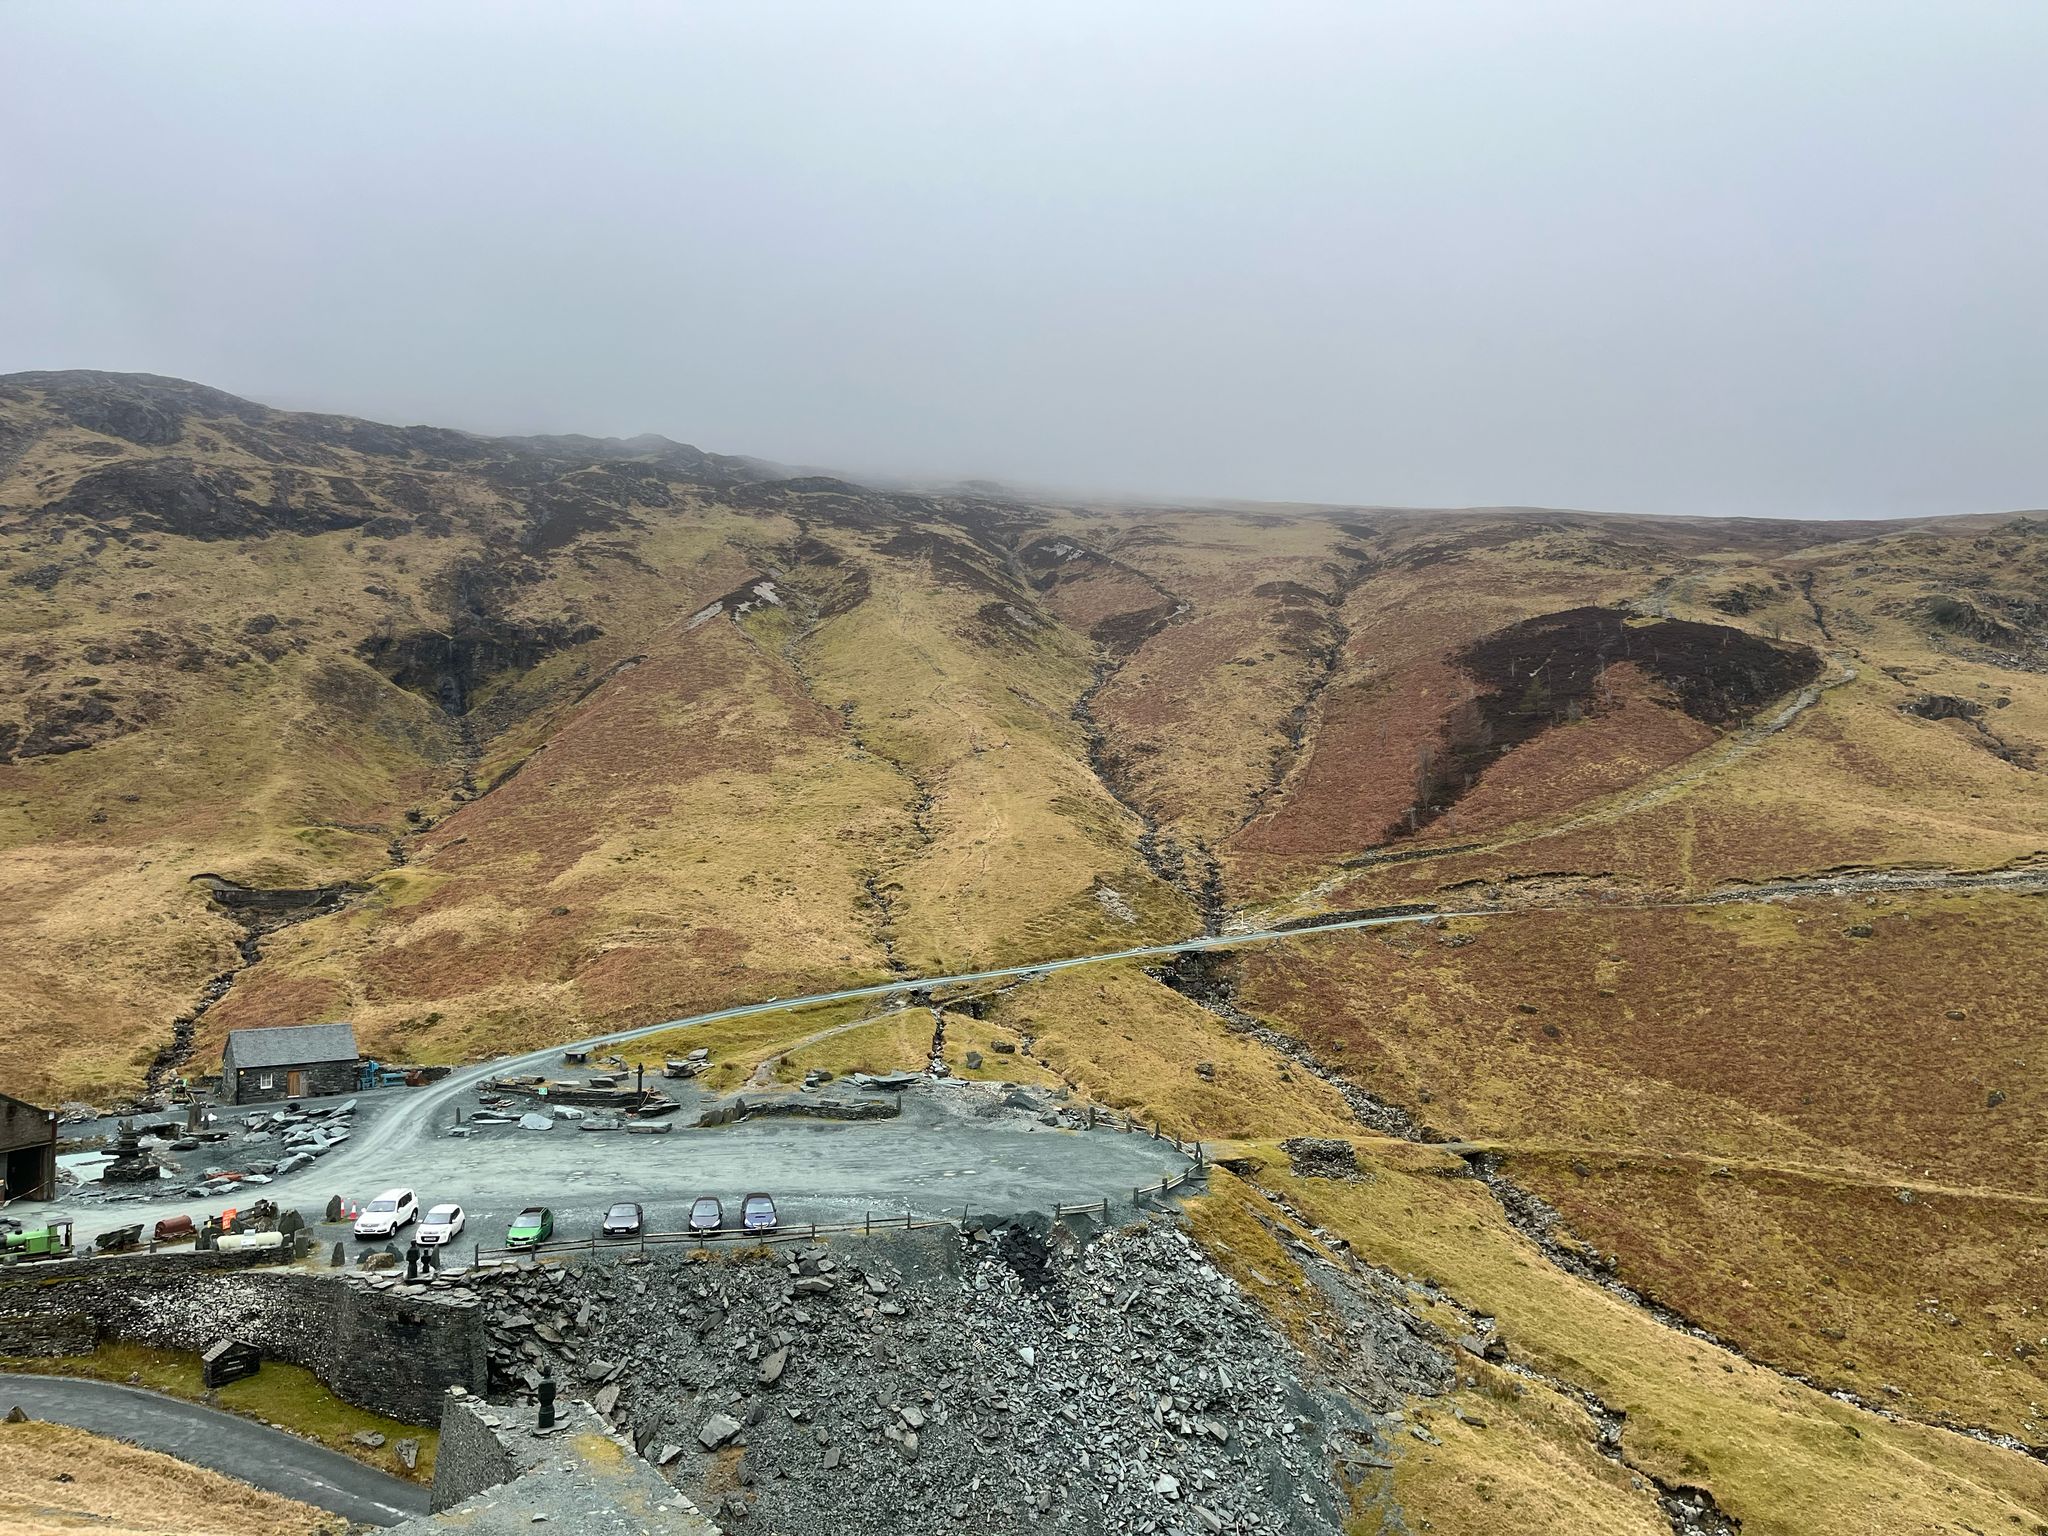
column 28, row 1151
column 294, row 1061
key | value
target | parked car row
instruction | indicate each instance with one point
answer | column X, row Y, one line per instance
column 395, row 1209
column 628, row 1218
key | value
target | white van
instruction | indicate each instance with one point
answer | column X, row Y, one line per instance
column 383, row 1216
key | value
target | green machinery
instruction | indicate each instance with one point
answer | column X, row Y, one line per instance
column 51, row 1241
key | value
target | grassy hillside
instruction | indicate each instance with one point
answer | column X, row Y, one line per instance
column 566, row 733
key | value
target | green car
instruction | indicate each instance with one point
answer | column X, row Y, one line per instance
column 531, row 1227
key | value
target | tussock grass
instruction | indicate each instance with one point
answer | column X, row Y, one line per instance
column 1128, row 1042
column 55, row 1479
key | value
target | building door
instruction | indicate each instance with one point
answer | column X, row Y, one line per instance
column 295, row 1084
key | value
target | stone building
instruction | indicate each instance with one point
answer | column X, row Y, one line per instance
column 28, row 1151
column 291, row 1062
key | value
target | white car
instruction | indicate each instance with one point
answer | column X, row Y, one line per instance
column 383, row 1216
column 441, row 1224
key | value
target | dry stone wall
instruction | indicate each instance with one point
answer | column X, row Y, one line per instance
column 381, row 1345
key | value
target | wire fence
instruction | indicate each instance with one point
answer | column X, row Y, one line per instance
column 809, row 1231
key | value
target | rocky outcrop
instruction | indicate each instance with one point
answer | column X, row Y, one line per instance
column 448, row 666
column 253, row 903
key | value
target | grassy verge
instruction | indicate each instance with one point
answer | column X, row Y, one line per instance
column 738, row 1046
column 289, row 1397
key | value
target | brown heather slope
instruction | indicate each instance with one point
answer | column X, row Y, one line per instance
column 591, row 733
column 1825, row 1148
column 56, row 1479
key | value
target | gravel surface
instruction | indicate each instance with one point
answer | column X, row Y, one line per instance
column 955, row 1146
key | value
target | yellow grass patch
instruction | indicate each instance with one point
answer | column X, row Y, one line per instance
column 55, row 1479
column 1121, row 1038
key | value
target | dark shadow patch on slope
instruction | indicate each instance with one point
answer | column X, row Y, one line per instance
column 1543, row 672
column 195, row 501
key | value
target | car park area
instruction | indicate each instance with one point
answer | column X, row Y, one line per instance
column 945, row 1147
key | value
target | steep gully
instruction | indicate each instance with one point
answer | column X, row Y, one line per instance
column 1688, row 1509
column 1163, row 854
column 261, row 913
column 265, row 911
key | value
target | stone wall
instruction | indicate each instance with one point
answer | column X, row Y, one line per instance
column 816, row 1109
column 376, row 1343
column 48, row 1333
column 323, row 1079
column 473, row 1454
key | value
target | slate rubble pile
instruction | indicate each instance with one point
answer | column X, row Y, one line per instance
column 1020, row 1378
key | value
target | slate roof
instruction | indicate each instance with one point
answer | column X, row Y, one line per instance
column 291, row 1045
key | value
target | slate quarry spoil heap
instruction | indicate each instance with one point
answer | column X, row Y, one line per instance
column 1004, row 1380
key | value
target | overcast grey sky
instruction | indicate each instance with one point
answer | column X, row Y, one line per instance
column 1738, row 256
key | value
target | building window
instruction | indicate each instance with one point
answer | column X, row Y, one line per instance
column 264, row 1081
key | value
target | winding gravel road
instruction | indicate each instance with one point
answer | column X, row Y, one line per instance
column 931, row 1162
column 206, row 1437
